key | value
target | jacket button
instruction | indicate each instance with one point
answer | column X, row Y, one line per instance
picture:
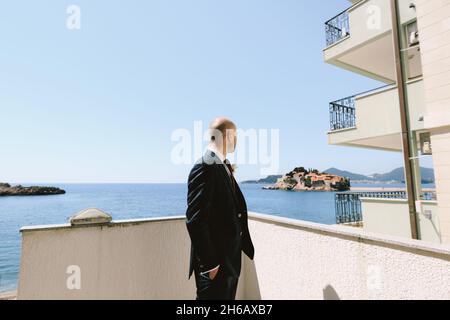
column 239, row 215
column 240, row 234
column 201, row 266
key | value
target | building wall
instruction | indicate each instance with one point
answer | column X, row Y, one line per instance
column 391, row 217
column 433, row 18
column 406, row 14
column 148, row 259
column 441, row 160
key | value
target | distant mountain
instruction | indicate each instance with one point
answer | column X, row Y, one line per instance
column 347, row 174
column 399, row 175
column 268, row 180
column 427, row 175
column 396, row 175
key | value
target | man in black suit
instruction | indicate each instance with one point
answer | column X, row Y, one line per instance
column 217, row 219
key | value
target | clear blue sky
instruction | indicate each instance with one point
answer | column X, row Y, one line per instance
column 99, row 104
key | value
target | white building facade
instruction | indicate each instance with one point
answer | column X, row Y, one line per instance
column 362, row 39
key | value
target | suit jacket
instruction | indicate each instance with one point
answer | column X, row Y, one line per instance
column 217, row 219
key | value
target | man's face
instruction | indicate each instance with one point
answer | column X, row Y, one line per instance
column 231, row 140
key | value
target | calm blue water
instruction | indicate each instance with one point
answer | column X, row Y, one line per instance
column 136, row 201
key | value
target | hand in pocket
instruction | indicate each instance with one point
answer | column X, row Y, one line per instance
column 213, row 273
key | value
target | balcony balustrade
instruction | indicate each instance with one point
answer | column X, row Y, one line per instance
column 348, row 204
column 342, row 114
column 337, row 28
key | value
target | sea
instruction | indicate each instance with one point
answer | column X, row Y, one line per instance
column 134, row 201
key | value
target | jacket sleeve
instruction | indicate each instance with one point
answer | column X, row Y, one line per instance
column 200, row 194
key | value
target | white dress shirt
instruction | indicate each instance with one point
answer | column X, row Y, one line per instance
column 219, row 155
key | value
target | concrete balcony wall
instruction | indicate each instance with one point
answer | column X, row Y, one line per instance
column 386, row 216
column 359, row 31
column 368, row 50
column 432, row 20
column 148, row 259
column 416, row 104
column 434, row 28
column 312, row 261
column 391, row 217
column 378, row 119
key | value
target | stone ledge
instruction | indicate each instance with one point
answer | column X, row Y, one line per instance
column 331, row 230
column 90, row 216
column 112, row 224
column 355, row 234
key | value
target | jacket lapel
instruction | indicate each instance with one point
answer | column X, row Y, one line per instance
column 241, row 197
column 225, row 175
column 228, row 182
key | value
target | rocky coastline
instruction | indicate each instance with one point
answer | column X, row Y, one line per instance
column 7, row 190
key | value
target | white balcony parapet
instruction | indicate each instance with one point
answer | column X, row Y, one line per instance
column 342, row 111
column 391, row 216
column 372, row 119
column 360, row 39
column 148, row 259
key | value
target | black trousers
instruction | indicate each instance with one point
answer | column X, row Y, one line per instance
column 223, row 287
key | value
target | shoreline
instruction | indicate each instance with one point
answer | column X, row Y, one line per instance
column 7, row 190
column 385, row 189
column 8, row 295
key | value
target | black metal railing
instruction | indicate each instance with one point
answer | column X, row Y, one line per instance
column 348, row 208
column 348, row 204
column 337, row 28
column 342, row 114
column 428, row 196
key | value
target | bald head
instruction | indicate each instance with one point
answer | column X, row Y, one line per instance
column 223, row 133
column 221, row 125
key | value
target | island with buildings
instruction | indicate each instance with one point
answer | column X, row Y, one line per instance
column 301, row 179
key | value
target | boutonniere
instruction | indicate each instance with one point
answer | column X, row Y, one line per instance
column 234, row 168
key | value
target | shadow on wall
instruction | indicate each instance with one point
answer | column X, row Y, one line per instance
column 252, row 291
column 330, row 294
